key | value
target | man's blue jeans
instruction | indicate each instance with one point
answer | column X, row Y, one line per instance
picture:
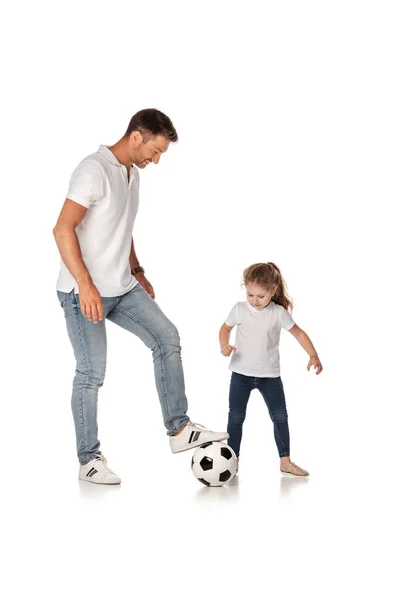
column 271, row 389
column 137, row 312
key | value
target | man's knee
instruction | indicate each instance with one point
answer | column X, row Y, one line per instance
column 169, row 338
column 92, row 376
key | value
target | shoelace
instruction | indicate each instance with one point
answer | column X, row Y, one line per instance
column 197, row 425
column 101, row 464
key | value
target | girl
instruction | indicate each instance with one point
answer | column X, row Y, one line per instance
column 255, row 358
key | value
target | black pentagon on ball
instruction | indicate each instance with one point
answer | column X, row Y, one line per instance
column 206, row 463
column 225, row 475
column 226, row 453
column 206, row 445
column 192, row 462
column 204, row 481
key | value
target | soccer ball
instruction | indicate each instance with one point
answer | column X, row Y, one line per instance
column 214, row 463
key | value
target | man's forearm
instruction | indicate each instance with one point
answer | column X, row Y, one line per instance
column 133, row 259
column 70, row 251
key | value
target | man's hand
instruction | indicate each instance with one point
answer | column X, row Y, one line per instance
column 145, row 284
column 90, row 301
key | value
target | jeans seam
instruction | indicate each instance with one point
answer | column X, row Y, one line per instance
column 237, row 380
column 275, row 427
column 81, row 341
column 281, row 442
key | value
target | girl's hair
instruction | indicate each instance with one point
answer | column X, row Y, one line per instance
column 268, row 275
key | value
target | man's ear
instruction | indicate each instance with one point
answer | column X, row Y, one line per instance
column 135, row 139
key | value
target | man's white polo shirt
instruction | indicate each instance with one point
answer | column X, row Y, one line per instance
column 100, row 183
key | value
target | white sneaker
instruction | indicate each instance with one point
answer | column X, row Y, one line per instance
column 194, row 435
column 97, row 471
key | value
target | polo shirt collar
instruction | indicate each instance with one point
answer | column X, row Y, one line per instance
column 109, row 155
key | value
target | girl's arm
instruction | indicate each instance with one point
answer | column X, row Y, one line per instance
column 224, row 333
column 307, row 344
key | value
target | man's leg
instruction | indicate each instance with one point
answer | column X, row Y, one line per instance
column 90, row 348
column 137, row 312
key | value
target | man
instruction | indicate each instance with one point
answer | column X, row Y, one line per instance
column 101, row 278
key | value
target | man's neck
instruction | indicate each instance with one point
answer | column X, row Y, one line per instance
column 121, row 153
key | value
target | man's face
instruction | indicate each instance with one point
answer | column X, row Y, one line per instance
column 144, row 153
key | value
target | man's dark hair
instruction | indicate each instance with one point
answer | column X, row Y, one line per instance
column 151, row 121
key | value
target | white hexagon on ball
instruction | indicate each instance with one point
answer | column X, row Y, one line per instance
column 214, row 463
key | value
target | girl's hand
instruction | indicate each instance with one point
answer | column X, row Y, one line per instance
column 316, row 363
column 227, row 350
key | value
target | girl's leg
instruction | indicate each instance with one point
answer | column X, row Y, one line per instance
column 239, row 395
column 271, row 389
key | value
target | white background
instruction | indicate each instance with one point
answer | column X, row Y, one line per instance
column 288, row 119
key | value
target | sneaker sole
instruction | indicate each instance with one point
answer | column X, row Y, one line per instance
column 197, row 444
column 99, row 482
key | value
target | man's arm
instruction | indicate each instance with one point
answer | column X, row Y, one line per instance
column 133, row 259
column 67, row 242
column 133, row 263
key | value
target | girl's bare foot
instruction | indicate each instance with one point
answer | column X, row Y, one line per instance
column 290, row 468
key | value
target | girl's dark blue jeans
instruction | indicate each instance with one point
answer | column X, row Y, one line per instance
column 271, row 389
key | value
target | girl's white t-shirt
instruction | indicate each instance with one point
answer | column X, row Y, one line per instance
column 257, row 338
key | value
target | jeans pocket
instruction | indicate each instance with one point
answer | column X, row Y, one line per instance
column 67, row 302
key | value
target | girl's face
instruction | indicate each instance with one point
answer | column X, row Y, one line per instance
column 259, row 297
